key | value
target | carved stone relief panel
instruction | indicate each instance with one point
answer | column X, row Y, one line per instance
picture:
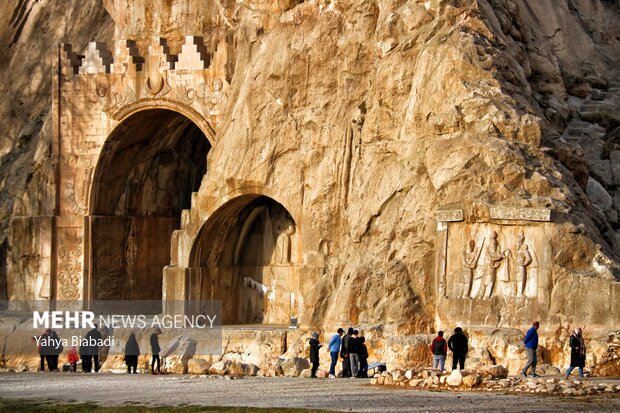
column 108, row 261
column 29, row 258
column 489, row 260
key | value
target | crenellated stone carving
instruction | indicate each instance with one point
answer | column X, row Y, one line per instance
column 127, row 58
column 194, row 55
column 97, row 59
column 193, row 81
column 69, row 62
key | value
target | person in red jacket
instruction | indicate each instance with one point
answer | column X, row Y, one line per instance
column 73, row 358
column 439, row 347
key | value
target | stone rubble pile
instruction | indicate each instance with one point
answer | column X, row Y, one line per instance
column 491, row 378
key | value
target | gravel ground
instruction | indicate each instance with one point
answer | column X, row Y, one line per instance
column 109, row 389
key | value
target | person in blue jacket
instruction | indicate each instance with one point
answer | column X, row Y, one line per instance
column 334, row 350
column 531, row 344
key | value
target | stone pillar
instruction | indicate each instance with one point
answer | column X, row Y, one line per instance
column 444, row 217
column 175, row 290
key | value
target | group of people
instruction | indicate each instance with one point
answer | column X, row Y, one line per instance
column 351, row 347
column 458, row 345
column 132, row 351
column 50, row 350
column 577, row 351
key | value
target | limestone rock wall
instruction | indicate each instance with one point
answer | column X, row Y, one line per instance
column 363, row 118
column 30, row 29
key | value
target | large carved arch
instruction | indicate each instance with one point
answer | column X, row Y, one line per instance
column 146, row 173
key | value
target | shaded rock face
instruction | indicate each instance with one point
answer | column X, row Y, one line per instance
column 30, row 29
column 359, row 121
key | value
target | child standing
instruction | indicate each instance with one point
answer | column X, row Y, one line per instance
column 73, row 358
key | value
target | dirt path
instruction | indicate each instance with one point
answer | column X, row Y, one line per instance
column 341, row 394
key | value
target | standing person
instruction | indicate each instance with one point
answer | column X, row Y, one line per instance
column 363, row 373
column 439, row 347
column 334, row 349
column 55, row 348
column 459, row 347
column 132, row 351
column 314, row 353
column 85, row 355
column 155, row 349
column 95, row 337
column 577, row 353
column 47, row 349
column 39, row 340
column 531, row 344
column 344, row 353
column 354, row 354
column 73, row 358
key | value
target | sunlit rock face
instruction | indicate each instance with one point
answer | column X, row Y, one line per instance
column 402, row 166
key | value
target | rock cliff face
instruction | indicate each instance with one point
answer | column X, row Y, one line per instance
column 30, row 30
column 365, row 118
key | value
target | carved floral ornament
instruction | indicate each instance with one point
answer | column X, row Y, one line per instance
column 207, row 100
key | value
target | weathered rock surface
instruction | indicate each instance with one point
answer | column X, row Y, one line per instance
column 294, row 366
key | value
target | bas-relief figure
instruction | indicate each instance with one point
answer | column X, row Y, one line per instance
column 470, row 261
column 486, row 270
column 524, row 259
column 215, row 100
column 493, row 257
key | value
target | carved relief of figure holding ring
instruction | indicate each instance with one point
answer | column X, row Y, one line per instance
column 493, row 259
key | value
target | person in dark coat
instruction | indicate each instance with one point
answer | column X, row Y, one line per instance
column 344, row 353
column 459, row 348
column 55, row 348
column 314, row 353
column 577, row 353
column 41, row 348
column 132, row 351
column 89, row 351
column 363, row 373
column 354, row 353
column 155, row 349
column 96, row 337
